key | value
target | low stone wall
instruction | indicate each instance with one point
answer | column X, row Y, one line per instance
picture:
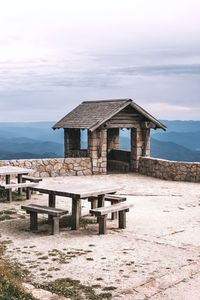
column 53, row 167
column 169, row 170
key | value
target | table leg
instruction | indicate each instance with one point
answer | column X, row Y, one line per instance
column 114, row 214
column 122, row 219
column 102, row 224
column 52, row 200
column 101, row 201
column 19, row 179
column 28, row 193
column 94, row 202
column 55, row 225
column 9, row 192
column 33, row 221
column 76, row 204
column 52, row 203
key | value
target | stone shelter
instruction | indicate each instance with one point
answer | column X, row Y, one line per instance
column 92, row 130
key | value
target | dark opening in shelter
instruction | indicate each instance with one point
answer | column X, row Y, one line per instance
column 103, row 120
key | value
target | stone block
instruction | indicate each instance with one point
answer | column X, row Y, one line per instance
column 79, row 173
column 62, row 172
column 46, row 162
column 94, row 163
column 104, row 165
column 49, row 168
column 87, row 172
column 44, row 174
column 83, row 163
column 57, row 167
column 94, row 155
column 28, row 164
column 78, row 168
column 104, row 148
column 94, row 142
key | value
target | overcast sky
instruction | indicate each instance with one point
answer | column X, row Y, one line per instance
column 56, row 53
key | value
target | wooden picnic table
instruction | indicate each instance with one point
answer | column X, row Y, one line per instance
column 76, row 193
column 8, row 171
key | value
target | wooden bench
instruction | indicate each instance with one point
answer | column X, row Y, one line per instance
column 11, row 186
column 26, row 178
column 31, row 179
column 54, row 213
column 113, row 199
column 102, row 212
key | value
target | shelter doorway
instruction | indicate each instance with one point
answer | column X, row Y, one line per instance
column 119, row 150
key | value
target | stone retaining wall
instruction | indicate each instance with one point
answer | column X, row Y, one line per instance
column 169, row 170
column 53, row 167
column 159, row 168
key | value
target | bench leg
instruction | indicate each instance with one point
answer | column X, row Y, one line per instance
column 122, row 219
column 19, row 176
column 23, row 181
column 114, row 214
column 28, row 193
column 94, row 202
column 52, row 203
column 33, row 221
column 55, row 225
column 9, row 195
column 101, row 203
column 102, row 224
column 76, row 203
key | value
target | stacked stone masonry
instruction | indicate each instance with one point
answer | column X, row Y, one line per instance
column 98, row 151
column 163, row 169
column 53, row 167
column 169, row 170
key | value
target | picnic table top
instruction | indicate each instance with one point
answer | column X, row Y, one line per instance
column 11, row 170
column 75, row 190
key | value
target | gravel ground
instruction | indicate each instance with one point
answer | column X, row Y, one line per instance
column 156, row 257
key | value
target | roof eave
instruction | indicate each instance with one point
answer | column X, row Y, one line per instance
column 148, row 116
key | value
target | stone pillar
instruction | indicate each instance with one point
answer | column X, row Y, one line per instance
column 103, row 159
column 92, row 148
column 71, row 140
column 113, row 138
column 97, row 145
column 140, row 146
column 136, row 147
column 146, row 142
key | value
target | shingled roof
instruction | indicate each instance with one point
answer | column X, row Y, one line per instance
column 92, row 114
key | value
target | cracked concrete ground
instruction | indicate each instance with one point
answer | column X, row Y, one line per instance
column 156, row 257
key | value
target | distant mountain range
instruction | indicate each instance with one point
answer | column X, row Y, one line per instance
column 173, row 151
column 30, row 140
column 41, row 131
column 181, row 126
column 26, row 145
column 180, row 142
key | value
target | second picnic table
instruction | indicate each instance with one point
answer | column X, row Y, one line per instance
column 76, row 193
column 8, row 171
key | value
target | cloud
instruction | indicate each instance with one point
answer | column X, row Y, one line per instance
column 173, row 111
column 175, row 69
column 55, row 54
